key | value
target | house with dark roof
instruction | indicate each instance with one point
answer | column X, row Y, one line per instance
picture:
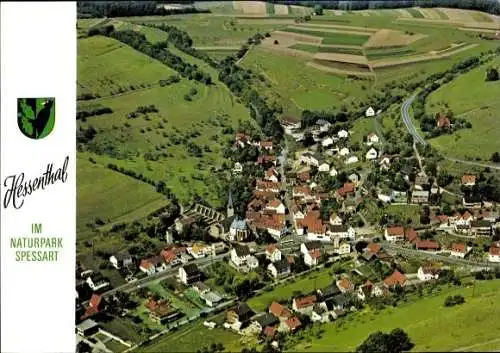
column 161, row 311
column 152, row 265
column 338, row 302
column 262, row 321
column 121, row 260
column 97, row 281
column 279, row 269
column 189, row 274
column 481, row 228
column 239, row 316
column 328, row 292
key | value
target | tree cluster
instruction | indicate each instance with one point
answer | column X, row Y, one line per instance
column 492, row 74
column 397, row 341
column 84, row 114
column 454, row 300
column 99, row 9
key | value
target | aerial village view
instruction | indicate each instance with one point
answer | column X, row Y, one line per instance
column 288, row 176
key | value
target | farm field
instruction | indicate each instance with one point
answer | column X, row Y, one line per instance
column 332, row 37
column 480, row 108
column 307, row 284
column 98, row 184
column 421, row 319
column 106, row 66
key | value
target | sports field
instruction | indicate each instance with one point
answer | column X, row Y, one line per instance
column 430, row 325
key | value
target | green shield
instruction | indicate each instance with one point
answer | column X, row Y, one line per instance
column 36, row 116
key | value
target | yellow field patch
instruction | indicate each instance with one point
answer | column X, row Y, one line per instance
column 347, row 58
column 300, row 10
column 290, row 38
column 280, row 9
column 250, row 7
column 458, row 15
column 403, row 13
column 284, row 50
column 429, row 13
column 389, row 38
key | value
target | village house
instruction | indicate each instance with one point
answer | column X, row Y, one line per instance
column 280, row 311
column 199, row 251
column 327, row 141
column 324, row 125
column 292, row 324
column 419, row 196
column 352, row 160
column 242, row 259
column 273, row 252
column 427, row 245
column 87, row 328
column 290, row 124
column 152, row 265
column 121, row 260
column 266, row 160
column 335, row 220
column 271, row 175
column 344, row 151
column 345, row 285
column 344, row 248
column 304, row 305
column 97, row 281
column 267, row 145
column 184, row 223
column 459, row 250
column 337, row 302
column 211, row 298
column 371, row 154
column 368, row 290
column 200, row 288
column 277, row 206
column 333, row 172
column 347, row 190
column 161, row 311
column 462, row 223
column 189, row 274
column 372, row 138
column 370, row 112
column 342, row 231
column 442, row 122
column 481, row 228
column 397, row 278
column 97, row 304
column 311, row 252
column 421, row 182
column 312, row 225
column 170, row 257
column 384, row 163
column 239, row 316
column 342, row 134
column 238, row 168
column 279, row 269
column 324, row 167
column 411, row 235
column 427, row 273
column 320, row 313
column 394, row 234
column 468, row 180
column 310, row 159
column 264, row 322
column 494, row 254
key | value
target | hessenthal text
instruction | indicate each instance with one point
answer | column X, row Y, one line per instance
column 18, row 188
column 29, row 243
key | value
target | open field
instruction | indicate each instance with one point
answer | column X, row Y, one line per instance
column 391, row 38
column 97, row 185
column 196, row 335
column 327, row 49
column 422, row 319
column 307, row 284
column 480, row 108
column 332, row 37
column 106, row 66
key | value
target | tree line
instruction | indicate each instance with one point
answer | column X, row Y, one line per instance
column 157, row 51
column 490, row 6
column 99, row 9
column 84, row 114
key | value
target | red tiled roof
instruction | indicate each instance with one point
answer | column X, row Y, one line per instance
column 96, row 303
column 293, row 323
column 345, row 284
column 468, row 179
column 267, row 185
column 458, row 248
column 315, row 253
column 312, row 220
column 495, row 251
column 304, row 302
column 146, row 264
column 269, row 331
column 301, row 189
column 291, row 259
column 266, row 158
column 266, row 143
column 411, row 234
column 303, row 176
column 274, row 203
column 346, row 189
column 396, row 231
column 271, row 248
column 443, row 122
column 168, row 255
column 396, row 278
column 442, row 218
column 279, row 310
column 466, row 215
column 427, row 244
column 374, row 248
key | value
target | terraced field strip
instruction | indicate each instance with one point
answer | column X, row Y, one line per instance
column 339, row 27
column 338, row 67
column 218, row 48
column 441, row 14
column 420, row 58
column 415, row 13
column 375, row 54
column 292, row 36
column 345, row 58
column 391, row 38
column 251, row 7
column 430, row 13
column 452, row 47
column 480, row 30
column 327, row 49
column 333, row 37
column 323, row 30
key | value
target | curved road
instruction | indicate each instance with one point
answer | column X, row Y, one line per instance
column 419, row 139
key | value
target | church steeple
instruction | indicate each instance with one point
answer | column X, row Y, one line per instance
column 230, row 209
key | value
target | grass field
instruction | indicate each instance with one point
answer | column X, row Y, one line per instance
column 375, row 54
column 333, row 38
column 415, row 13
column 305, row 285
column 320, row 49
column 430, row 325
column 97, row 185
column 125, row 329
column 195, row 336
column 105, row 66
column 480, row 108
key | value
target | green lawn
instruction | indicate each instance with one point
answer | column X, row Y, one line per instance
column 305, row 285
column 125, row 329
column 320, row 49
column 430, row 325
column 195, row 336
column 106, row 66
column 97, row 185
column 480, row 108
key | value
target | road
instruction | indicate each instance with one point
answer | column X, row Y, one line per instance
column 429, row 255
column 405, row 115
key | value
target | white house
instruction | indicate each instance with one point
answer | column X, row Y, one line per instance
column 327, row 141
column 121, row 260
column 273, row 253
column 96, row 281
column 371, row 139
column 342, row 231
column 279, row 268
column 310, row 159
column 335, row 220
column 324, row 125
column 385, row 163
column 189, row 274
column 384, row 198
column 153, row 265
column 342, row 134
column 240, row 254
column 394, row 234
column 271, row 175
column 494, row 254
column 238, row 168
column 351, row 160
column 344, row 151
column 333, row 171
column 371, row 154
column 277, row 206
column 370, row 112
column 427, row 273
column 344, row 248
column 459, row 250
column 324, row 167
column 312, row 252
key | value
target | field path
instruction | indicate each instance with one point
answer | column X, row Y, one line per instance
column 468, row 348
column 218, row 48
